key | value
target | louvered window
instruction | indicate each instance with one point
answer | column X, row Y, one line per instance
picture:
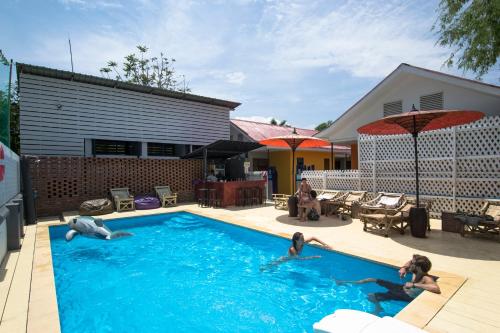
column 114, row 147
column 161, row 149
column 431, row 102
column 393, row 108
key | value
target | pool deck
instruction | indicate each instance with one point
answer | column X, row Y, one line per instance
column 469, row 269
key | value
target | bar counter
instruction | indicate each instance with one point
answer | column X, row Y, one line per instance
column 227, row 191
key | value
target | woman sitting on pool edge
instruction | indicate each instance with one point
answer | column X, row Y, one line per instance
column 419, row 266
column 294, row 251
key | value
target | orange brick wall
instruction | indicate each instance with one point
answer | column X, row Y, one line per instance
column 63, row 183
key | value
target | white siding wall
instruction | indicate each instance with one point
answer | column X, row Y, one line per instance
column 58, row 115
column 409, row 89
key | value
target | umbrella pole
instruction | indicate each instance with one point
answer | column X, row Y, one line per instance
column 293, row 171
column 415, row 136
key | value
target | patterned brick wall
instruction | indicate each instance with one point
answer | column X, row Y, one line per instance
column 63, row 183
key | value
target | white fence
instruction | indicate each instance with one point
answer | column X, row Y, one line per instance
column 458, row 167
column 10, row 175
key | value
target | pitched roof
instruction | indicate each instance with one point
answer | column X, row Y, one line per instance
column 258, row 131
column 100, row 81
column 410, row 69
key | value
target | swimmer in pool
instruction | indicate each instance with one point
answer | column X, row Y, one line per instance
column 294, row 251
column 419, row 266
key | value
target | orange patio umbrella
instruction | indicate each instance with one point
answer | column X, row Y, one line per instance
column 294, row 141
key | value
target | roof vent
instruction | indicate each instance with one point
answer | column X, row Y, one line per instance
column 431, row 102
column 393, row 108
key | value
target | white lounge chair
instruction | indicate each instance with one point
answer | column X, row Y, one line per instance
column 353, row 321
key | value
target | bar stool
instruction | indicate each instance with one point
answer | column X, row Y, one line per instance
column 213, row 200
column 248, row 196
column 255, row 198
column 203, row 197
column 240, row 196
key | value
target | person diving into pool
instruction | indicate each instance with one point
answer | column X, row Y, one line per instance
column 294, row 251
column 419, row 266
column 92, row 227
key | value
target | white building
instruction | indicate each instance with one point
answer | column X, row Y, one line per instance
column 406, row 86
column 70, row 114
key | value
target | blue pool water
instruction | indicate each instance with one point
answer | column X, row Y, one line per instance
column 186, row 273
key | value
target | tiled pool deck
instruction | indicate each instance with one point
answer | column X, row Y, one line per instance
column 469, row 269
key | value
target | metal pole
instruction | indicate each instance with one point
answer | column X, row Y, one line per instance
column 415, row 135
column 331, row 156
column 9, row 88
column 293, row 171
column 205, row 164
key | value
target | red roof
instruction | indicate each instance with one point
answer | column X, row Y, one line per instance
column 260, row 131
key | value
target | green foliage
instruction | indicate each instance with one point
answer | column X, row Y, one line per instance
column 473, row 29
column 323, row 126
column 283, row 123
column 273, row 122
column 140, row 69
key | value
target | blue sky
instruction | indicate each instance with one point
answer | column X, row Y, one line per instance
column 303, row 61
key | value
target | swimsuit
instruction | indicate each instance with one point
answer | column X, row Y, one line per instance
column 395, row 292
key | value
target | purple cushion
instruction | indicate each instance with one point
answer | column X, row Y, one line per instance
column 146, row 202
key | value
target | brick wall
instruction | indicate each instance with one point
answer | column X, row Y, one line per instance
column 63, row 183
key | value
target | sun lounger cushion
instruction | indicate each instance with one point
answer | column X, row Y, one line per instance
column 391, row 325
column 389, row 202
column 326, row 196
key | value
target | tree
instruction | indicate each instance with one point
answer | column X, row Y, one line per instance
column 283, row 123
column 273, row 122
column 323, row 126
column 140, row 69
column 473, row 29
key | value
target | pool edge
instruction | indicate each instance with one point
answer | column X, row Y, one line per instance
column 418, row 313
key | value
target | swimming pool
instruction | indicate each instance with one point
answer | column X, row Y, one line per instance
column 182, row 272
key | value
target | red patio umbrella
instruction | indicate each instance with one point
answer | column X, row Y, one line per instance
column 294, row 141
column 415, row 121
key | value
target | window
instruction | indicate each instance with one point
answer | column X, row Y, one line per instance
column 114, row 147
column 393, row 108
column 431, row 102
column 161, row 149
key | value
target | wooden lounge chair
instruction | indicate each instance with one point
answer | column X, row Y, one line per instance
column 329, row 202
column 166, row 196
column 348, row 200
column 487, row 222
column 385, row 219
column 281, row 201
column 122, row 199
column 383, row 200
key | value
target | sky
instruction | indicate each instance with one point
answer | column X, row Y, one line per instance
column 301, row 61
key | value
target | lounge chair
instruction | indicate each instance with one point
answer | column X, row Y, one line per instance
column 122, row 199
column 383, row 200
column 385, row 219
column 348, row 200
column 281, row 201
column 166, row 196
column 328, row 201
column 487, row 222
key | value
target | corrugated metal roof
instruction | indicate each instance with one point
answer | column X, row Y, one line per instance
column 100, row 81
column 260, row 131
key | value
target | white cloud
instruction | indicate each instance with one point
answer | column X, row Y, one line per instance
column 236, row 78
column 364, row 38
